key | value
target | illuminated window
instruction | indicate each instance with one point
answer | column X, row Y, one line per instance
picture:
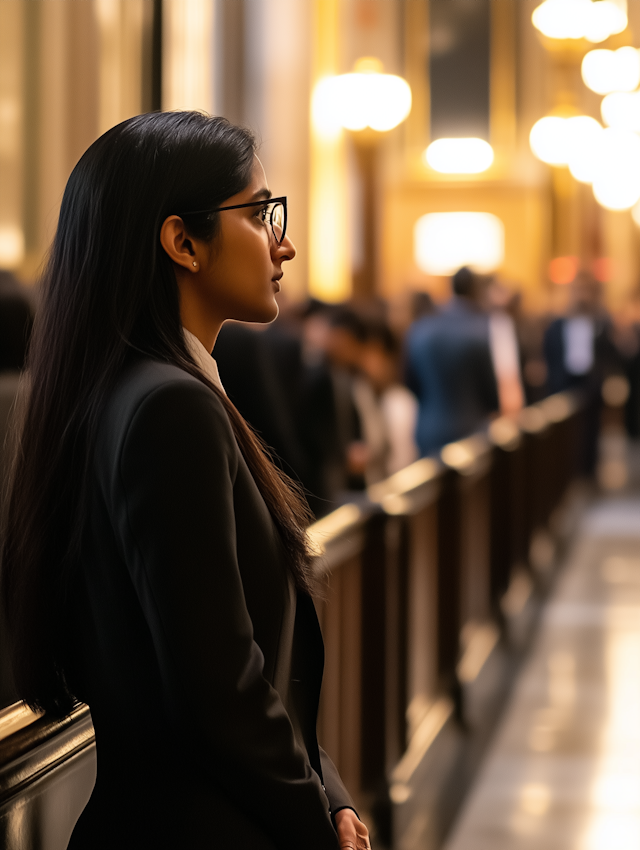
column 443, row 242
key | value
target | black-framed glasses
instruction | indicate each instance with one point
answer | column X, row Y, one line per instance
column 275, row 212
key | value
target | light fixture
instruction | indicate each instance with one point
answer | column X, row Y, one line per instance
column 584, row 142
column 548, row 140
column 573, row 141
column 605, row 71
column 459, row 156
column 365, row 98
column 444, row 242
column 621, row 110
column 594, row 20
column 616, row 185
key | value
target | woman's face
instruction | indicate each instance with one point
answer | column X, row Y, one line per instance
column 241, row 269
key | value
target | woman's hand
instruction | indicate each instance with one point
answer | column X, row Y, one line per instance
column 352, row 833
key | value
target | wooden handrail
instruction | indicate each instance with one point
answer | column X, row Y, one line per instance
column 408, row 490
column 16, row 717
column 40, row 747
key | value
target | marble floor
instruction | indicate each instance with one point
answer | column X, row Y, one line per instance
column 563, row 770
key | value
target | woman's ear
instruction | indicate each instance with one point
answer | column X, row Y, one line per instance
column 178, row 245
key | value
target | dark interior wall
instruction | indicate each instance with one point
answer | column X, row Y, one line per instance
column 459, row 68
column 232, row 60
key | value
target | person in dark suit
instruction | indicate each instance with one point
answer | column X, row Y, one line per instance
column 262, row 385
column 449, row 368
column 580, row 353
column 155, row 562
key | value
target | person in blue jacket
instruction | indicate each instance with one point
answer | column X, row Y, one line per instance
column 449, row 368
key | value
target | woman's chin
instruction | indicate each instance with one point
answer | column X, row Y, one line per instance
column 261, row 316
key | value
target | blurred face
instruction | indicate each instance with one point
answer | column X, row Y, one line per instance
column 585, row 295
column 344, row 350
column 378, row 365
column 240, row 272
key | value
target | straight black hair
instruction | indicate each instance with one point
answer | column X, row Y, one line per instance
column 109, row 295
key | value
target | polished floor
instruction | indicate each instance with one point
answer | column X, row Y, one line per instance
column 563, row 770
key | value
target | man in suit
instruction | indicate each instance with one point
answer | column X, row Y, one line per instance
column 579, row 353
column 250, row 362
column 450, row 369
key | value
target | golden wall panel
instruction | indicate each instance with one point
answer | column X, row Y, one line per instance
column 524, row 211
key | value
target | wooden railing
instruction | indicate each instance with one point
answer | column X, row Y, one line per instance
column 421, row 583
column 439, row 566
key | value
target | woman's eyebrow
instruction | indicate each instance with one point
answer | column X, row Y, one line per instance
column 260, row 194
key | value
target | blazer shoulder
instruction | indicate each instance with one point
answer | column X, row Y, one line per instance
column 150, row 395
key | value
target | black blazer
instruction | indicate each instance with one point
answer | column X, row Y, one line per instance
column 199, row 660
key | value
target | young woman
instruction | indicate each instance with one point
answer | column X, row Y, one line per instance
column 155, row 562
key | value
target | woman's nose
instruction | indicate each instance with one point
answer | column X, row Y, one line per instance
column 286, row 250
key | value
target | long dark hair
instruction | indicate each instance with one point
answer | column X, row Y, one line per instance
column 109, row 293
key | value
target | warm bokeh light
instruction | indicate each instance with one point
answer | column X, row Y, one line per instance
column 443, row 242
column 603, row 268
column 562, row 270
column 548, row 140
column 324, row 116
column 608, row 158
column 615, row 795
column 459, row 156
column 606, row 71
column 617, row 182
column 622, row 111
column 365, row 98
column 11, row 246
column 594, row 21
column 584, row 145
column 560, row 18
column 571, row 141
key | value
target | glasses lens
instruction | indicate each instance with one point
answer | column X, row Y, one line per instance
column 277, row 222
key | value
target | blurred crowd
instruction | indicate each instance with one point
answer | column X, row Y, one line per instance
column 348, row 394
column 345, row 395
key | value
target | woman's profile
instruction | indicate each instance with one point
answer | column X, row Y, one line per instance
column 155, row 563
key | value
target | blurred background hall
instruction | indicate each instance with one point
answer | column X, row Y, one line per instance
column 454, row 378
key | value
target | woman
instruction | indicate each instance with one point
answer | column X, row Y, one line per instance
column 155, row 563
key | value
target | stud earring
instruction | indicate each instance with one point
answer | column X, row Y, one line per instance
column 194, row 264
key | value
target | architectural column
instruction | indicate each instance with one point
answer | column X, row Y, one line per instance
column 276, row 106
column 188, row 68
column 125, row 28
column 329, row 261
column 61, row 110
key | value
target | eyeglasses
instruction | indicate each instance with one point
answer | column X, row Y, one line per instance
column 273, row 211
